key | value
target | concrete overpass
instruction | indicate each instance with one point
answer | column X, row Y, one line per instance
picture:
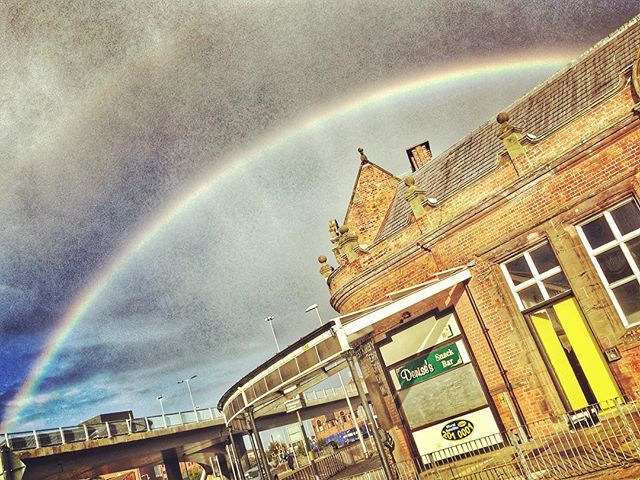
column 87, row 451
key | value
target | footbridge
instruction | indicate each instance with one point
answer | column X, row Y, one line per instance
column 89, row 450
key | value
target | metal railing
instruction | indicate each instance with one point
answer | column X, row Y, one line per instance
column 329, row 465
column 330, row 393
column 600, row 437
column 50, row 437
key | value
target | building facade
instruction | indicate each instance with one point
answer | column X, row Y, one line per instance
column 540, row 207
column 325, row 426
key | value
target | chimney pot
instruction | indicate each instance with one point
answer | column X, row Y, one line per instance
column 419, row 155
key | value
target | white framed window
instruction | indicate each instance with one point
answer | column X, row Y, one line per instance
column 612, row 239
column 535, row 276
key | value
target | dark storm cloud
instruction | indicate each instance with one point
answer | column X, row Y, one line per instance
column 110, row 109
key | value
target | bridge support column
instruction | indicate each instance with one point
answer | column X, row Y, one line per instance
column 220, row 461
column 261, row 456
column 367, row 410
column 171, row 464
column 232, row 463
column 307, row 447
column 237, row 452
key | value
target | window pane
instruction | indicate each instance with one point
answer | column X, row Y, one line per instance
column 614, row 265
column 628, row 296
column 627, row 217
column 531, row 296
column 556, row 284
column 634, row 248
column 597, row 232
column 519, row 270
column 543, row 258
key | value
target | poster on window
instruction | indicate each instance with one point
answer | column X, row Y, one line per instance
column 464, row 433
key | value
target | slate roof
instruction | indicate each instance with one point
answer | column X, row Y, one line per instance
column 574, row 88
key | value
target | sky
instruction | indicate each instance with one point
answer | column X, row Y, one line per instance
column 167, row 171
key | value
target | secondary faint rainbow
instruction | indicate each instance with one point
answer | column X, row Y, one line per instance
column 90, row 293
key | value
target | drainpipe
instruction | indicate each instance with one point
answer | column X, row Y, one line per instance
column 503, row 373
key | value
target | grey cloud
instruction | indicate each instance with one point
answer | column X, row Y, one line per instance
column 110, row 110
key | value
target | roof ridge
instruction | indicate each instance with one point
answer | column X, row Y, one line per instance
column 600, row 44
column 579, row 59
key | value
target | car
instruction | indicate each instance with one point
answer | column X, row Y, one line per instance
column 253, row 474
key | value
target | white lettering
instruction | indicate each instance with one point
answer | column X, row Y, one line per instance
column 421, row 371
column 442, row 356
column 409, row 374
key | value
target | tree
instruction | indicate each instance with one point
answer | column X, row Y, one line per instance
column 275, row 450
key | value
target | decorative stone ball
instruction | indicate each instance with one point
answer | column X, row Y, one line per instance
column 502, row 117
column 409, row 181
column 360, row 150
column 322, row 259
column 343, row 229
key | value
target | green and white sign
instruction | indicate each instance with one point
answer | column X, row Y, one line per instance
column 436, row 362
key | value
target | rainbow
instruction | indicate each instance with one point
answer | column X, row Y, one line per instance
column 92, row 291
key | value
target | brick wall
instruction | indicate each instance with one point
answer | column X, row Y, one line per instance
column 372, row 195
column 540, row 195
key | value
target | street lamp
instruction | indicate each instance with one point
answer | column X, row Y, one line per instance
column 314, row 307
column 344, row 388
column 193, row 405
column 269, row 319
column 164, row 419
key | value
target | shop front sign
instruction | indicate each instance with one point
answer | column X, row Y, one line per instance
column 436, row 362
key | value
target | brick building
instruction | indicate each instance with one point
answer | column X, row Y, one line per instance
column 540, row 208
column 325, row 426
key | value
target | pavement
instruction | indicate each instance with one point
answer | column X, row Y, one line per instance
column 366, row 465
column 631, row 472
column 627, row 473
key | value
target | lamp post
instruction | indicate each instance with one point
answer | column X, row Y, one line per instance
column 193, row 405
column 269, row 320
column 164, row 419
column 344, row 388
column 314, row 307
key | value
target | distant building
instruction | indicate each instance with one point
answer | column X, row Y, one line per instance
column 326, row 426
column 532, row 223
column 109, row 417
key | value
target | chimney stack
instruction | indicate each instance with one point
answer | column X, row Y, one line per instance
column 419, row 155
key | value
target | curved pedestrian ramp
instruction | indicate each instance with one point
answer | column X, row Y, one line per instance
column 598, row 438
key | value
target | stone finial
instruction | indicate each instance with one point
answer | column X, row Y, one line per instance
column 415, row 196
column 333, row 230
column 325, row 268
column 348, row 243
column 510, row 135
column 502, row 117
column 363, row 157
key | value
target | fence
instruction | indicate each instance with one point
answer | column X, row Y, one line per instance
column 596, row 438
column 330, row 465
column 87, row 432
